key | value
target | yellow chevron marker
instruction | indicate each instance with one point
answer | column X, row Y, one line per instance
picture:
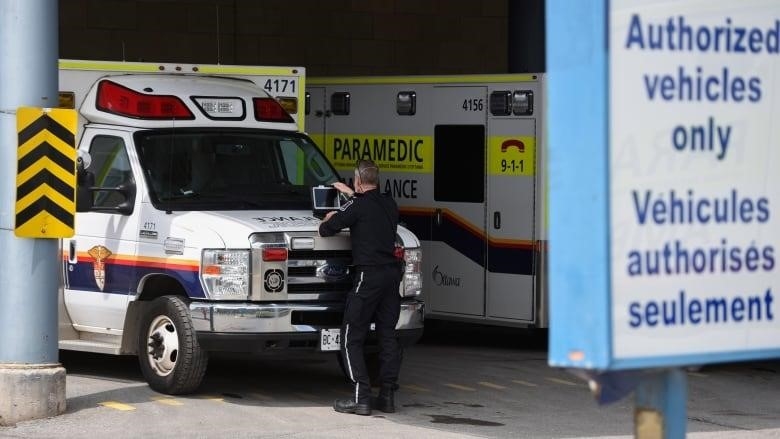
column 491, row 385
column 46, row 172
column 167, row 400
column 117, row 406
column 459, row 387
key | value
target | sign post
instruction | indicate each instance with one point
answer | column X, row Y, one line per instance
column 661, row 137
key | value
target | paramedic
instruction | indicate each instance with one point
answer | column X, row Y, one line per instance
column 372, row 219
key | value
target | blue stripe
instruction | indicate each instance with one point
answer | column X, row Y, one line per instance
column 124, row 279
column 512, row 260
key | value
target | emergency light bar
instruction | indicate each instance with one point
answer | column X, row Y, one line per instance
column 117, row 99
column 269, row 110
column 220, row 107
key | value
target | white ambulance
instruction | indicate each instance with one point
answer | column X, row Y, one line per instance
column 195, row 230
column 463, row 156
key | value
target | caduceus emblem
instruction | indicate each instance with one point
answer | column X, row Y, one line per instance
column 99, row 254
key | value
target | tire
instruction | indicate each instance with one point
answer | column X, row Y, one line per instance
column 172, row 361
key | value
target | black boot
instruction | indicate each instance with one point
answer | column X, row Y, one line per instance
column 350, row 406
column 385, row 401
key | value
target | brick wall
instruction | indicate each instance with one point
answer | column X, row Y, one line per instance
column 329, row 37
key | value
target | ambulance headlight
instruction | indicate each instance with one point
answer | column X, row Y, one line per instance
column 411, row 285
column 226, row 274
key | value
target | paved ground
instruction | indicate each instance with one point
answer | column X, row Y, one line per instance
column 460, row 381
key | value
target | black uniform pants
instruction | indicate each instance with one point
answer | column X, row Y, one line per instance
column 373, row 298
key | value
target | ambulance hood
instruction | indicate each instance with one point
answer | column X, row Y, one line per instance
column 233, row 228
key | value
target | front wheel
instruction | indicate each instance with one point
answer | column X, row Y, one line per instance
column 172, row 361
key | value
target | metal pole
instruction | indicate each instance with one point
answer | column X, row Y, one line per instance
column 660, row 405
column 30, row 376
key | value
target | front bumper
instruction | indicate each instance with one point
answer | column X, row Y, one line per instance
column 249, row 327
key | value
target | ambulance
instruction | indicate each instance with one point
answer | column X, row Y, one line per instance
column 194, row 230
column 463, row 156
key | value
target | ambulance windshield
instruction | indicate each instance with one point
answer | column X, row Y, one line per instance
column 219, row 169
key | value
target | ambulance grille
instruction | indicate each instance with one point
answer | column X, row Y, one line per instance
column 302, row 271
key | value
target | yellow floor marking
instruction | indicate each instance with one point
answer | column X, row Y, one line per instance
column 212, row 398
column 117, row 406
column 491, row 385
column 459, row 387
column 415, row 388
column 560, row 381
column 167, row 400
column 524, row 383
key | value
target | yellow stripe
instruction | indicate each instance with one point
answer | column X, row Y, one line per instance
column 422, row 79
column 167, row 400
column 46, row 135
column 252, row 70
column 415, row 388
column 560, row 381
column 524, row 383
column 43, row 225
column 70, row 64
column 212, row 398
column 24, row 202
column 117, row 406
column 491, row 385
column 46, row 163
column 459, row 387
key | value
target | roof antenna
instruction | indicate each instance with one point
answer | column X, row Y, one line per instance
column 217, row 5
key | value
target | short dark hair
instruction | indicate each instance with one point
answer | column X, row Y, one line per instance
column 369, row 171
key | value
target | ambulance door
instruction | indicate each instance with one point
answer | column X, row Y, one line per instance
column 315, row 115
column 99, row 264
column 510, row 217
column 456, row 253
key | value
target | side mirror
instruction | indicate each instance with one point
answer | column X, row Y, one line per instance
column 128, row 191
column 85, row 181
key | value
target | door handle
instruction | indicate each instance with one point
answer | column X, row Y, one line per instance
column 319, row 113
column 496, row 220
column 72, row 251
column 438, row 217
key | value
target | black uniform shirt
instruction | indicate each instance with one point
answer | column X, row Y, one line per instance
column 372, row 219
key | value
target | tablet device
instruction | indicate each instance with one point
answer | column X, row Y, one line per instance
column 324, row 199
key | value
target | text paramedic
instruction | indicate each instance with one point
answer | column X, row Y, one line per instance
column 378, row 150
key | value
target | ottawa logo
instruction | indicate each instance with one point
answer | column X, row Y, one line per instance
column 444, row 280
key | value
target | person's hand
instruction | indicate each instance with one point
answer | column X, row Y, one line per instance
column 343, row 188
column 328, row 215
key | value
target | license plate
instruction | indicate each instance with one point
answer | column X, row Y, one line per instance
column 330, row 339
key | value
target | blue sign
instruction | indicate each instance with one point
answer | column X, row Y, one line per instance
column 664, row 182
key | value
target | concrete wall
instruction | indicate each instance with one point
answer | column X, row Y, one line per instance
column 329, row 37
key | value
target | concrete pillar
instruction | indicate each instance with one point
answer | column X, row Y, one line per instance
column 32, row 382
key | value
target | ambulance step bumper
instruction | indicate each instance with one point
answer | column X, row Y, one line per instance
column 296, row 321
